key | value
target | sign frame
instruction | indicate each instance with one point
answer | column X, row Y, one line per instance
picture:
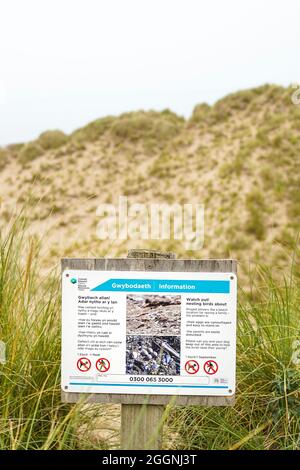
column 159, row 265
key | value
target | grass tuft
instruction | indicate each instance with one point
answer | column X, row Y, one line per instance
column 31, row 413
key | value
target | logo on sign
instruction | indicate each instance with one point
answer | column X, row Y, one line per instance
column 102, row 364
column 191, row 367
column 83, row 364
column 210, row 367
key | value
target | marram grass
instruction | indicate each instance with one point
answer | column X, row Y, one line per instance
column 31, row 414
column 267, row 410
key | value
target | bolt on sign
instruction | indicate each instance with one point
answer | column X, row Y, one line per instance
column 169, row 329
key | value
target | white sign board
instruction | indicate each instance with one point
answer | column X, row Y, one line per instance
column 140, row 332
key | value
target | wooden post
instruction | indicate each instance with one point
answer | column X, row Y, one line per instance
column 141, row 425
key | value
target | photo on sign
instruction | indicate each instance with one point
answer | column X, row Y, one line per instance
column 153, row 314
column 153, row 355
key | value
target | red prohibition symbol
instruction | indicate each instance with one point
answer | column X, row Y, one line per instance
column 102, row 364
column 83, row 364
column 191, row 367
column 210, row 367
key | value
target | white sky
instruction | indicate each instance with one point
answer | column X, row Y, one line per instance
column 64, row 63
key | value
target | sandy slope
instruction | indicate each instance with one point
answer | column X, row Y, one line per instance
column 240, row 158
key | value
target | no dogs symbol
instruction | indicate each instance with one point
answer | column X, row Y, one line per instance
column 191, row 367
column 210, row 367
column 102, row 364
column 83, row 364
